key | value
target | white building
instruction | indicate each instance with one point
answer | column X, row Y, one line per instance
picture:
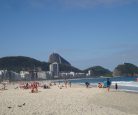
column 48, row 75
column 80, row 75
column 1, row 72
column 67, row 74
column 41, row 75
column 16, row 76
column 24, row 74
column 90, row 72
column 54, row 70
column 72, row 73
column 9, row 75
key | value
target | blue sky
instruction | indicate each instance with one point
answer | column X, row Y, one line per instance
column 85, row 32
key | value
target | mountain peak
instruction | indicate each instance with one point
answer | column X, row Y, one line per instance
column 55, row 57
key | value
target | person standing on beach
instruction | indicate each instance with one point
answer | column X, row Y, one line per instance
column 58, row 82
column 70, row 83
column 108, row 84
column 116, row 86
column 65, row 83
column 87, row 84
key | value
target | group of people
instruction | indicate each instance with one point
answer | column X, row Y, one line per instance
column 4, row 85
column 66, row 84
column 106, row 84
column 34, row 86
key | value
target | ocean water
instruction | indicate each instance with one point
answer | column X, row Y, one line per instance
column 124, row 83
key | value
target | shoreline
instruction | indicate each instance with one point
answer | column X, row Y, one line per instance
column 125, row 88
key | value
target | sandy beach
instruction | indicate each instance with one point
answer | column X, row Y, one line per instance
column 76, row 100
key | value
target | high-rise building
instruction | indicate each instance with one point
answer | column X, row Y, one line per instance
column 54, row 70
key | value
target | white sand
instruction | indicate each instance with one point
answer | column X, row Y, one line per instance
column 67, row 101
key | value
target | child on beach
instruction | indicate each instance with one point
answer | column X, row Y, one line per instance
column 87, row 84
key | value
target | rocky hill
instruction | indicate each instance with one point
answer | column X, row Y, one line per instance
column 126, row 69
column 54, row 57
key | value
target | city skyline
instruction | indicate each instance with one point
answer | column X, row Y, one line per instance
column 86, row 33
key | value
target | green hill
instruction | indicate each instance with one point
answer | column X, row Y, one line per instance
column 126, row 69
column 18, row 63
